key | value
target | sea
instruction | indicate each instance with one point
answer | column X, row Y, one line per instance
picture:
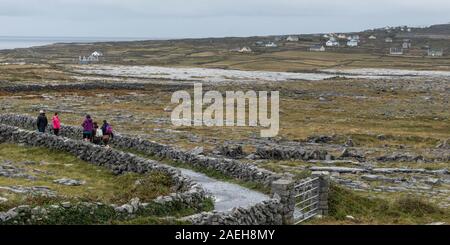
column 12, row 42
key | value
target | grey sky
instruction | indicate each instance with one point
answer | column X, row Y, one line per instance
column 205, row 18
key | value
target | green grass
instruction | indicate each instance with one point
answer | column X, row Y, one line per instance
column 403, row 209
column 101, row 184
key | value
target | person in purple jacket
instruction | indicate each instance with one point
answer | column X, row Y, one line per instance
column 88, row 126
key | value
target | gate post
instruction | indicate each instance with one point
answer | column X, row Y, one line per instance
column 284, row 189
column 324, row 188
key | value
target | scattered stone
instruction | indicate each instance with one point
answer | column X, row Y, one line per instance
column 432, row 181
column 350, row 217
column 373, row 177
column 34, row 190
column 3, row 199
column 338, row 169
column 437, row 223
column 8, row 170
column 347, row 153
column 197, row 151
column 320, row 139
column 231, row 151
column 349, row 143
column 381, row 137
column 443, row 145
column 69, row 182
column 66, row 204
column 400, row 157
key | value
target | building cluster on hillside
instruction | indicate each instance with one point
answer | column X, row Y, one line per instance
column 92, row 58
column 333, row 40
column 390, row 29
column 266, row 44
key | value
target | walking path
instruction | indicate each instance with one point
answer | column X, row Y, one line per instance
column 226, row 195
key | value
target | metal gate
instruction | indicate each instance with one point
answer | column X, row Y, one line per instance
column 306, row 199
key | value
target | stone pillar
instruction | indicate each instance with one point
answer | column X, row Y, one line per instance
column 324, row 188
column 284, row 189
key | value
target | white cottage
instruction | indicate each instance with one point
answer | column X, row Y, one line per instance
column 292, row 39
column 332, row 43
column 352, row 43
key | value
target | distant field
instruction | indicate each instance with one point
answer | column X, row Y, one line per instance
column 215, row 53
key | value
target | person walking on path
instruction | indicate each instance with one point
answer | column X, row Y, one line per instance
column 42, row 122
column 88, row 126
column 56, row 124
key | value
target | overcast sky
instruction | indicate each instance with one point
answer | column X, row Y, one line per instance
column 208, row 18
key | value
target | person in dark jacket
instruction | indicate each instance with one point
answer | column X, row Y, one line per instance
column 42, row 121
column 88, row 126
column 107, row 133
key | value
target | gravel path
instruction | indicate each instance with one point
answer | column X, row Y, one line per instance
column 226, row 195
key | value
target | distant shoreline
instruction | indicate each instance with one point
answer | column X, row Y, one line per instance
column 13, row 42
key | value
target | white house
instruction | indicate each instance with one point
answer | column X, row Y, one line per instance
column 352, row 43
column 342, row 36
column 396, row 51
column 97, row 54
column 388, row 40
column 406, row 44
column 94, row 57
column 271, row 45
column 317, row 48
column 435, row 52
column 292, row 39
column 245, row 50
column 332, row 43
column 372, row 37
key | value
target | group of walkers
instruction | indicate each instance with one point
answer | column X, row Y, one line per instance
column 91, row 130
column 95, row 134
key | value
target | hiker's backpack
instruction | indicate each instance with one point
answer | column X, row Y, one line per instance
column 109, row 129
column 99, row 133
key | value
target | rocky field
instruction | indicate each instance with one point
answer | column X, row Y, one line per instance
column 383, row 134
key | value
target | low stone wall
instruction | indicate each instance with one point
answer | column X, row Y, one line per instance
column 188, row 193
column 66, row 213
column 288, row 153
column 15, row 88
column 228, row 167
column 265, row 213
column 116, row 161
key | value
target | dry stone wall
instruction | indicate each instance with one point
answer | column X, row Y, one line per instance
column 117, row 161
column 265, row 213
column 73, row 86
column 188, row 193
column 228, row 167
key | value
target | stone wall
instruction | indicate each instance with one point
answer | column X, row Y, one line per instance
column 188, row 193
column 117, row 161
column 265, row 213
column 65, row 213
column 288, row 153
column 70, row 86
column 229, row 167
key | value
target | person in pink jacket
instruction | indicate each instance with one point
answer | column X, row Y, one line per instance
column 56, row 124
